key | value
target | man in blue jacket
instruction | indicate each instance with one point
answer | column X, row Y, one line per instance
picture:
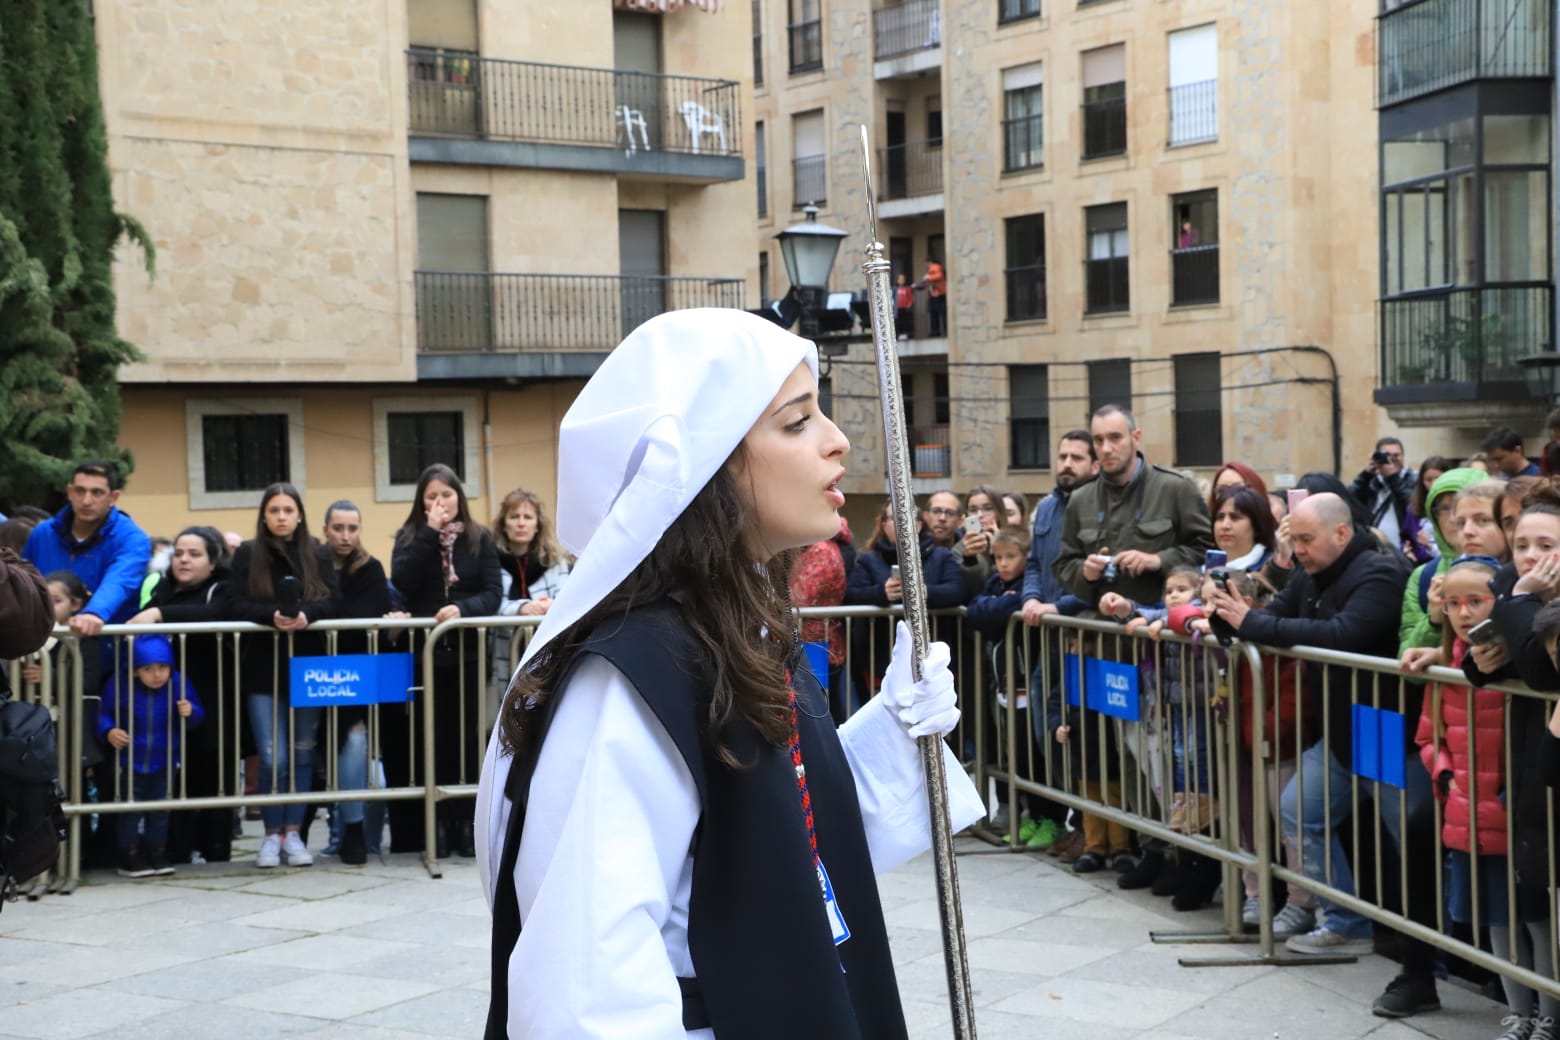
column 93, row 540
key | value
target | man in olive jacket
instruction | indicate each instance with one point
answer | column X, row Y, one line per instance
column 1142, row 518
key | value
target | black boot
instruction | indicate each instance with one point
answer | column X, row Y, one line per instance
column 1143, row 875
column 1200, row 877
column 441, row 840
column 1168, row 883
column 467, row 843
column 353, row 850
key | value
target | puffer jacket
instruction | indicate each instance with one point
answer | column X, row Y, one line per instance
column 1445, row 751
column 1414, row 626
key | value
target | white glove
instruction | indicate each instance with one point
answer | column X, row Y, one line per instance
column 928, row 708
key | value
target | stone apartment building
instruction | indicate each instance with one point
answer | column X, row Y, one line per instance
column 393, row 232
column 1168, row 205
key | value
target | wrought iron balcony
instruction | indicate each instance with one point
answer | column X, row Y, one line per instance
column 1428, row 45
column 484, row 313
column 1194, row 112
column 1026, row 298
column 534, row 114
column 1023, row 143
column 1104, row 128
column 1194, row 275
column 1462, row 344
column 931, row 451
column 911, row 169
column 809, row 181
column 915, row 25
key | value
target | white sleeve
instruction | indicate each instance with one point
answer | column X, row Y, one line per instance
column 891, row 786
column 507, row 607
column 604, row 872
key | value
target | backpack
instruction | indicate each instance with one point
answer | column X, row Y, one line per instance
column 32, row 823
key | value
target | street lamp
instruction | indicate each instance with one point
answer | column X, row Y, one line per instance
column 809, row 249
column 1540, row 371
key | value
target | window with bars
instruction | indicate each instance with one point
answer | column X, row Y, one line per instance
column 245, row 452
column 419, row 439
column 1110, row 382
column 1022, row 122
column 758, row 43
column 806, row 35
column 1029, row 417
column 1025, row 270
column 1016, row 10
column 1105, row 101
column 1194, row 248
column 1199, row 419
column 761, row 165
column 1107, row 280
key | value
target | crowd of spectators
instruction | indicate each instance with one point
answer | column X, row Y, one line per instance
column 163, row 716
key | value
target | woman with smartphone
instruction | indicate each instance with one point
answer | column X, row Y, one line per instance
column 282, row 578
column 676, row 840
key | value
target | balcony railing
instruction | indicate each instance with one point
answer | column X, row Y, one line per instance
column 1429, row 45
column 1194, row 112
column 509, row 313
column 1194, row 275
column 1023, row 143
column 931, row 451
column 1016, row 10
column 484, row 98
column 1025, row 293
column 1106, row 285
column 911, row 169
column 808, row 180
column 914, row 25
column 1463, row 336
column 806, row 45
column 1104, row 128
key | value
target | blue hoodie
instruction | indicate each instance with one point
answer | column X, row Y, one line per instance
column 149, row 715
column 111, row 563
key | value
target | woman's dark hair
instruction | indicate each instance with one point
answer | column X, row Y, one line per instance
column 708, row 555
column 1526, row 491
column 359, row 556
column 1253, row 505
column 1546, row 623
column 300, row 549
column 1021, row 501
column 211, row 538
column 1327, row 484
column 73, row 585
column 1435, row 462
column 417, row 519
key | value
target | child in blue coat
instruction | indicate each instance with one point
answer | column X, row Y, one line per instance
column 143, row 718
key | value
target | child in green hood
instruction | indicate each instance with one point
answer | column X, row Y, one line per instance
column 1416, row 627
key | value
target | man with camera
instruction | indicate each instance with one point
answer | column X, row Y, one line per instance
column 1386, row 486
column 1124, row 531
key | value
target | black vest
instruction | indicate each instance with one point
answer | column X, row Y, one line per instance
column 759, row 936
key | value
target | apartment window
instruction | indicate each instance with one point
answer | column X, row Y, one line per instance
column 1029, row 422
column 808, row 165
column 934, row 247
column 761, row 162
column 1106, row 288
column 443, row 67
column 758, row 43
column 1110, row 382
column 1016, row 10
column 763, row 280
column 1105, row 101
column 942, row 399
column 238, row 447
column 1194, row 85
column 413, row 433
column 806, row 32
column 454, row 290
column 826, row 396
column 1194, row 248
column 934, row 121
column 1025, row 271
column 1022, row 122
column 1199, row 423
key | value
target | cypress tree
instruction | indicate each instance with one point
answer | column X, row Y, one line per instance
column 59, row 349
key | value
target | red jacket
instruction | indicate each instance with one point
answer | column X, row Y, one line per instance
column 818, row 580
column 1444, row 747
column 1289, row 707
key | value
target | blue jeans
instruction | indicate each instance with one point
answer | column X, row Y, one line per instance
column 1324, row 816
column 275, row 728
column 145, row 787
column 352, row 771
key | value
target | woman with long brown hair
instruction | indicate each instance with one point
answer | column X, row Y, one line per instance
column 281, row 578
column 671, row 825
column 533, row 563
column 445, row 566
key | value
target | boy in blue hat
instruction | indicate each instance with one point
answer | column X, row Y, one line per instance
column 156, row 705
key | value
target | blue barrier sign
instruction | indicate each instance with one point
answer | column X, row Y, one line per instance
column 817, row 657
column 357, row 679
column 1110, row 687
column 1378, row 737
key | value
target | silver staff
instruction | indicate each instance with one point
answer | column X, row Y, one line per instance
column 913, row 587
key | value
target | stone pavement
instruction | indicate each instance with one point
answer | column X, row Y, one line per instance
column 224, row 950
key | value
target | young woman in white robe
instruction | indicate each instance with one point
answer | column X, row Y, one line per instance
column 692, row 402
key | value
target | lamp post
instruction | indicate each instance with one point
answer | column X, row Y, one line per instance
column 809, row 249
column 1541, row 372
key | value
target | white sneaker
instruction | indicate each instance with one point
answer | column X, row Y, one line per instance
column 1251, row 912
column 298, row 854
column 1517, row 1028
column 1293, row 920
column 1327, row 943
column 270, row 851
